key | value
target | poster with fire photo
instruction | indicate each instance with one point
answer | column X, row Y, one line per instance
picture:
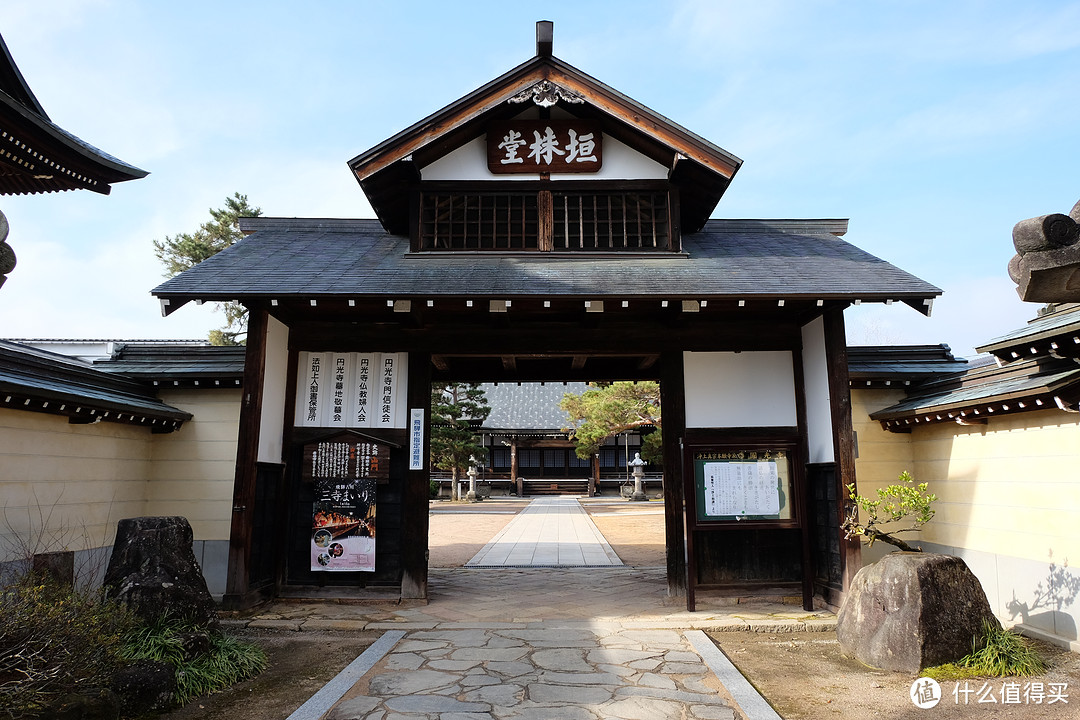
column 343, row 525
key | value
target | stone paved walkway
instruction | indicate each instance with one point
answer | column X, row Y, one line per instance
column 530, row 643
column 553, row 531
column 539, row 643
column 539, row 673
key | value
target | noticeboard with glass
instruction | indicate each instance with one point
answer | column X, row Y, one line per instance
column 743, row 485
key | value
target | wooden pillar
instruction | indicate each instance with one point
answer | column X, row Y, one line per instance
column 247, row 455
column 594, row 479
column 843, row 434
column 414, row 502
column 514, row 468
column 673, row 402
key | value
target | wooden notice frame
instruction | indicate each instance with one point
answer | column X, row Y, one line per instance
column 761, row 472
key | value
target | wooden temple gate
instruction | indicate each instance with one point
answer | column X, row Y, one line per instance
column 542, row 228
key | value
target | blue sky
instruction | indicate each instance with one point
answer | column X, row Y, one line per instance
column 933, row 126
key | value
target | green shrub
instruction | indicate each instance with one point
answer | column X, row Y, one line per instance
column 226, row 662
column 996, row 653
column 903, row 500
column 55, row 640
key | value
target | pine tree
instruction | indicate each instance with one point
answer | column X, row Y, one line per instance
column 455, row 407
column 605, row 411
column 186, row 250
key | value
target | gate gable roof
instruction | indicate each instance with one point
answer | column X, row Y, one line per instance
column 700, row 169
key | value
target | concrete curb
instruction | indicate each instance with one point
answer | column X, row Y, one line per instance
column 321, row 702
column 750, row 702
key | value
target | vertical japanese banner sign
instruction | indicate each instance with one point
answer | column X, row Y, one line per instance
column 315, row 376
column 344, row 473
column 416, row 439
column 352, row 390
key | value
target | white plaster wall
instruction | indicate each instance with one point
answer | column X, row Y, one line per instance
column 469, row 162
column 748, row 389
column 275, row 379
column 819, row 420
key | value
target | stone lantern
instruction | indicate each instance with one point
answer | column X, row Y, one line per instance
column 638, row 468
column 471, row 495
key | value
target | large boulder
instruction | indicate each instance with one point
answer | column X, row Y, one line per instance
column 154, row 571
column 909, row 611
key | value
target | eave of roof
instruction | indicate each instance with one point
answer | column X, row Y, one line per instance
column 41, row 381
column 900, row 366
column 730, row 259
column 166, row 364
column 987, row 390
column 37, row 155
column 1056, row 334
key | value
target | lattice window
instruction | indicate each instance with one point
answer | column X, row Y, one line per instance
column 576, row 462
column 528, row 458
column 610, row 221
column 478, row 221
column 582, row 220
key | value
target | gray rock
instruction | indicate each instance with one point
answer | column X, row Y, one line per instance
column 909, row 611
column 144, row 687
column 153, row 570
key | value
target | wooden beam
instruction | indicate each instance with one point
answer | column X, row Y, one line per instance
column 247, row 453
column 673, row 400
column 578, row 363
column 509, row 363
column 414, row 505
column 439, row 361
column 647, row 362
column 843, row 435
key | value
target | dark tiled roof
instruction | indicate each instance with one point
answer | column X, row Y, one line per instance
column 900, row 365
column 32, row 379
column 987, row 389
column 170, row 363
column 784, row 259
column 1060, row 327
column 529, row 406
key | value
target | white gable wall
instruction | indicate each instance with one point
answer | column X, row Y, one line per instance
column 469, row 162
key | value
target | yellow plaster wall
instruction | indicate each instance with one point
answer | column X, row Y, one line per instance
column 882, row 456
column 64, row 486
column 193, row 470
column 1008, row 487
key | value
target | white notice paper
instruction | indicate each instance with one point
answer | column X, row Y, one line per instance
column 741, row 488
